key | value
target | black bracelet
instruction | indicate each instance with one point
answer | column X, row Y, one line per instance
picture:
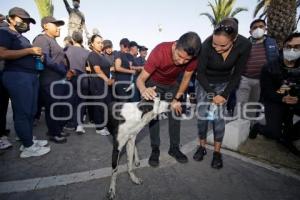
column 177, row 99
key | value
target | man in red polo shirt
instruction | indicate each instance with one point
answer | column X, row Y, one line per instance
column 159, row 76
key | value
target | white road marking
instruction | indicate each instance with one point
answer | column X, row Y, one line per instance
column 166, row 160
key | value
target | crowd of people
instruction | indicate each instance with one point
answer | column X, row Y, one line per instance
column 73, row 84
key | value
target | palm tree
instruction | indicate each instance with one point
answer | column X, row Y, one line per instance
column 281, row 19
column 262, row 4
column 221, row 10
column 45, row 7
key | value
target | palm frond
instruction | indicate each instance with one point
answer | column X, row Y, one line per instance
column 45, row 7
column 210, row 17
column 238, row 10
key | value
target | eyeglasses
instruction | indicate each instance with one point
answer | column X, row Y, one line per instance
column 295, row 47
column 224, row 28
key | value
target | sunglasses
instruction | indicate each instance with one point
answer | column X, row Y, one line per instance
column 224, row 28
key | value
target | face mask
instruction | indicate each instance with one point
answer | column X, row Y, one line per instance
column 76, row 4
column 22, row 27
column 258, row 33
column 291, row 54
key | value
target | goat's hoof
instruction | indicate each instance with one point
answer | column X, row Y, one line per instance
column 137, row 164
column 137, row 181
column 111, row 194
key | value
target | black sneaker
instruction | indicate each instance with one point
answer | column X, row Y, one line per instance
column 154, row 158
column 178, row 155
column 65, row 134
column 254, row 131
column 217, row 162
column 58, row 139
column 200, row 153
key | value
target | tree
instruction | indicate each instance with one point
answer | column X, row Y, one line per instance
column 45, row 7
column 281, row 19
column 280, row 16
column 221, row 10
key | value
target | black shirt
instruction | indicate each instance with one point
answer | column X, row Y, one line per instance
column 125, row 63
column 274, row 75
column 95, row 59
column 54, row 59
column 213, row 69
column 13, row 40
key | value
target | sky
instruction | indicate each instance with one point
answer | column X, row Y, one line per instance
column 138, row 20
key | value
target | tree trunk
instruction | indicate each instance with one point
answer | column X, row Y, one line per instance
column 281, row 18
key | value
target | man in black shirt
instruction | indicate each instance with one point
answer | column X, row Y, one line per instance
column 280, row 86
column 55, row 70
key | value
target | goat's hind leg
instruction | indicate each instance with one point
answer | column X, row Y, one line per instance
column 130, row 148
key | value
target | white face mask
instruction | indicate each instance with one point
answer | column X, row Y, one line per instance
column 258, row 33
column 291, row 54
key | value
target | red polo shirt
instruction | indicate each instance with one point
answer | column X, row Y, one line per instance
column 161, row 67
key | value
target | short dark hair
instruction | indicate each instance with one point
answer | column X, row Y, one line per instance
column 227, row 27
column 257, row 20
column 92, row 39
column 190, row 42
column 77, row 37
column 291, row 36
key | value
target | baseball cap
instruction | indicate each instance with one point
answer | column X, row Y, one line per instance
column 20, row 12
column 50, row 19
column 133, row 44
column 124, row 42
column 143, row 48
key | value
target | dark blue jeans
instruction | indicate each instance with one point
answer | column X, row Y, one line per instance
column 203, row 102
column 98, row 87
column 23, row 91
column 55, row 126
column 3, row 106
column 174, row 124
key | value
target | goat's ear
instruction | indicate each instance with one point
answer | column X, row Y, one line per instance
column 145, row 107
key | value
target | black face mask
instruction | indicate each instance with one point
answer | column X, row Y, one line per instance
column 22, row 27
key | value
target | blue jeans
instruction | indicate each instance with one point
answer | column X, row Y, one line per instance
column 203, row 102
column 23, row 91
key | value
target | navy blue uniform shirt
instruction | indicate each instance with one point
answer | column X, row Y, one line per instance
column 13, row 40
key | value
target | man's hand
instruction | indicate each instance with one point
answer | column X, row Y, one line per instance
column 70, row 74
column 35, row 51
column 176, row 106
column 290, row 100
column 110, row 82
column 149, row 93
column 219, row 100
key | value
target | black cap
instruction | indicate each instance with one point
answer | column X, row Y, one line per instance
column 20, row 12
column 77, row 37
column 257, row 20
column 107, row 44
column 50, row 19
column 125, row 42
column 134, row 44
column 143, row 48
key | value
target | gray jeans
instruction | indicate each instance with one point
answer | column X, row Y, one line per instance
column 166, row 92
column 248, row 91
column 203, row 101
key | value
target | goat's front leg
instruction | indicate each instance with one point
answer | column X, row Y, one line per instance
column 130, row 147
column 115, row 162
